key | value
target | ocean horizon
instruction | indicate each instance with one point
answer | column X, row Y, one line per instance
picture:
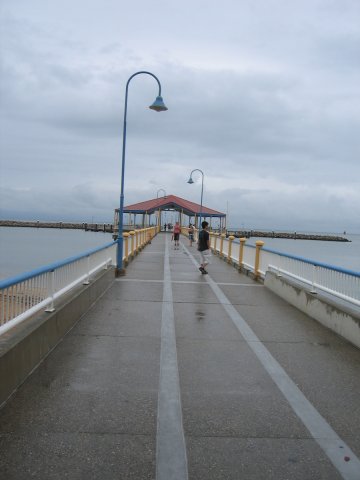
column 24, row 249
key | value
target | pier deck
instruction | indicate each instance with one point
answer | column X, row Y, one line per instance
column 174, row 375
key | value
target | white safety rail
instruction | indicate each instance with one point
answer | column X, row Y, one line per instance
column 317, row 277
column 24, row 295
column 249, row 257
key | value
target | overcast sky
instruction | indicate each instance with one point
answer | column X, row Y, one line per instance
column 263, row 96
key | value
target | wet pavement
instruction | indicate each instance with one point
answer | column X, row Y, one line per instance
column 247, row 383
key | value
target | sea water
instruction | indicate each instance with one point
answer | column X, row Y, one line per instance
column 340, row 254
column 24, row 249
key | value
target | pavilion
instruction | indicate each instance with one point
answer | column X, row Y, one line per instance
column 153, row 212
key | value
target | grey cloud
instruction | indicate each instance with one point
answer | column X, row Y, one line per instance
column 268, row 107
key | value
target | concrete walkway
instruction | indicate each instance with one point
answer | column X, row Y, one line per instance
column 175, row 375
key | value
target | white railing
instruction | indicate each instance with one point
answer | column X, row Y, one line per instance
column 26, row 294
column 316, row 276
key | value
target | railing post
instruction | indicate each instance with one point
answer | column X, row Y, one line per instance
column 241, row 252
column 87, row 281
column 215, row 241
column 222, row 236
column 148, row 234
column 143, row 237
column 126, row 236
column 231, row 239
column 132, row 246
column 211, row 235
column 259, row 244
column 136, row 241
column 313, row 288
column 51, row 292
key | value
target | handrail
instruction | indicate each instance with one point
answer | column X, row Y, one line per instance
column 8, row 282
column 23, row 295
column 312, row 262
column 336, row 281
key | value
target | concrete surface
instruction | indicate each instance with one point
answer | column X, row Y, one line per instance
column 25, row 345
column 90, row 411
column 336, row 315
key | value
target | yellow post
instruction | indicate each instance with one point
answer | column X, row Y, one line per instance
column 241, row 251
column 215, row 240
column 148, row 235
column 126, row 237
column 132, row 234
column 231, row 239
column 259, row 244
column 222, row 236
column 142, row 237
column 137, row 242
column 211, row 234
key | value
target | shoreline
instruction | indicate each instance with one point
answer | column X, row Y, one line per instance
column 286, row 235
column 109, row 228
column 93, row 227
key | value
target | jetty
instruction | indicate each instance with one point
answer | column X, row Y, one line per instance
column 289, row 235
column 168, row 374
column 93, row 227
column 111, row 228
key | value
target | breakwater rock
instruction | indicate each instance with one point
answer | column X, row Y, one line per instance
column 289, row 235
column 94, row 227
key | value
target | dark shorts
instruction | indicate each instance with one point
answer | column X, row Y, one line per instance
column 191, row 236
column 176, row 236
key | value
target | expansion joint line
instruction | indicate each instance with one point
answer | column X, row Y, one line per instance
column 171, row 459
column 338, row 452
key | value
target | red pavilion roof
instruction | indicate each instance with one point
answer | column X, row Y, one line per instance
column 172, row 202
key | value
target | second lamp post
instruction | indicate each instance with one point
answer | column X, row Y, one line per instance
column 202, row 190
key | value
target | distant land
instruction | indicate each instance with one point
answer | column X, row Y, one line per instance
column 289, row 235
column 94, row 227
column 108, row 227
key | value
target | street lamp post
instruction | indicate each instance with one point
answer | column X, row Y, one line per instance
column 157, row 196
column 202, row 190
column 158, row 106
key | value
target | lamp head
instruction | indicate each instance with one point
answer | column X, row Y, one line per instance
column 159, row 105
column 190, row 180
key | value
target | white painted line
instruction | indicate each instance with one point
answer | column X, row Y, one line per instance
column 137, row 280
column 171, row 459
column 152, row 252
column 338, row 452
column 190, row 282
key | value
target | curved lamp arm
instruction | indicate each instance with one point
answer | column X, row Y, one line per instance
column 202, row 190
column 160, row 190
column 158, row 106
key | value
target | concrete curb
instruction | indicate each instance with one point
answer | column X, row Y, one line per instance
column 345, row 321
column 23, row 347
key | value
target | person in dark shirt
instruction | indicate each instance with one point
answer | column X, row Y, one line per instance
column 204, row 247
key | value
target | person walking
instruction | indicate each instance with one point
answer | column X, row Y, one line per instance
column 191, row 234
column 204, row 247
column 176, row 235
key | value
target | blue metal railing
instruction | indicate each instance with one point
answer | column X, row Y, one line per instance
column 8, row 282
column 313, row 262
column 23, row 295
column 338, row 282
